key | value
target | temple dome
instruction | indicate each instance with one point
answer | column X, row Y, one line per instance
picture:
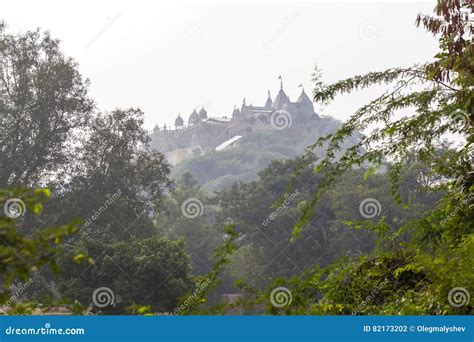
column 280, row 100
column 303, row 98
column 194, row 118
column 203, row 114
column 236, row 113
column 179, row 122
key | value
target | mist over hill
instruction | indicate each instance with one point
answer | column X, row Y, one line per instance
column 216, row 170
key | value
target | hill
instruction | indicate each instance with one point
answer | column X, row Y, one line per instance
column 216, row 170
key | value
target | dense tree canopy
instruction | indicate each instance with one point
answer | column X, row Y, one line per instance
column 43, row 104
column 101, row 174
column 416, row 274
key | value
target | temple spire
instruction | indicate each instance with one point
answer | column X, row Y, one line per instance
column 269, row 102
column 281, row 81
column 179, row 122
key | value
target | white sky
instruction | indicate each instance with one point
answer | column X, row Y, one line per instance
column 170, row 57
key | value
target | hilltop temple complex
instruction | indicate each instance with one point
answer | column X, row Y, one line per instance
column 202, row 132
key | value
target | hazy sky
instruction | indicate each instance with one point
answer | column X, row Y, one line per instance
column 171, row 57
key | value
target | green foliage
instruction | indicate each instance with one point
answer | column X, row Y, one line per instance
column 43, row 104
column 428, row 256
column 443, row 104
column 194, row 300
column 99, row 167
column 407, row 282
column 222, row 256
column 265, row 219
column 153, row 271
column 200, row 233
column 21, row 257
column 121, row 178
